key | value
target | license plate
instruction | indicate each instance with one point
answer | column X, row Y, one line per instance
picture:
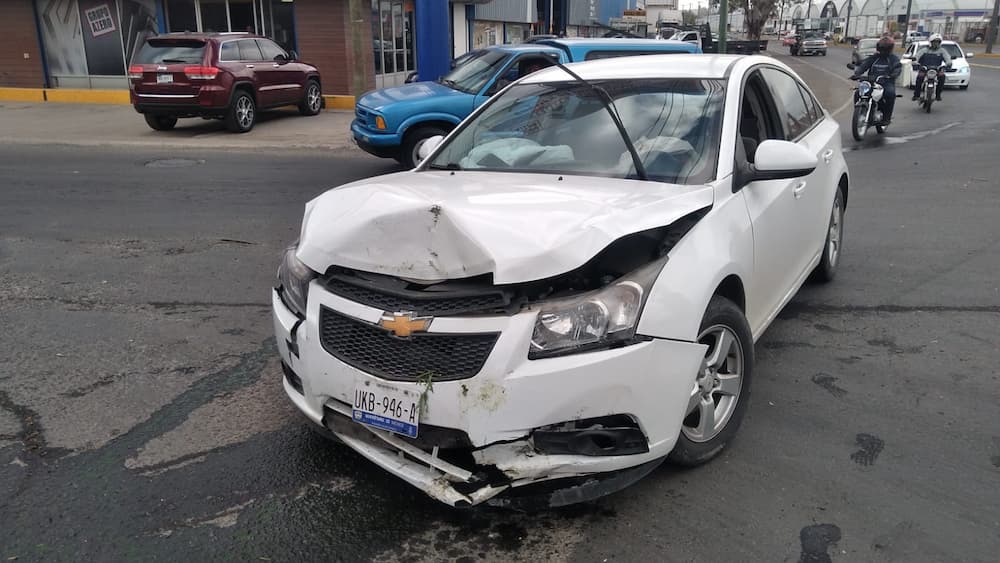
column 164, row 78
column 387, row 407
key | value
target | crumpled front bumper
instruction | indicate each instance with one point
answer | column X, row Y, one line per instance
column 500, row 408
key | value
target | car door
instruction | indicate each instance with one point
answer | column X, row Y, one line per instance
column 773, row 206
column 253, row 63
column 807, row 126
column 287, row 78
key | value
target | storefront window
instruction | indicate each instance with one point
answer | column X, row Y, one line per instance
column 392, row 40
column 181, row 15
column 213, row 15
column 485, row 34
column 517, row 33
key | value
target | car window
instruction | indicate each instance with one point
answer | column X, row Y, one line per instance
column 270, row 50
column 595, row 55
column 249, row 50
column 230, row 51
column 789, row 102
column 758, row 119
column 953, row 50
column 171, row 51
column 472, row 75
column 815, row 110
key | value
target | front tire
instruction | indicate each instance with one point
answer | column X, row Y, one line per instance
column 927, row 104
column 160, row 122
column 859, row 123
column 312, row 99
column 963, row 87
column 721, row 392
column 826, row 270
column 413, row 141
column 242, row 113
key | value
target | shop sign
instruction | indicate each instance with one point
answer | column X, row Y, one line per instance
column 100, row 20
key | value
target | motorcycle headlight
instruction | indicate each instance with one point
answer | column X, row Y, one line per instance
column 293, row 281
column 931, row 74
column 864, row 88
column 597, row 319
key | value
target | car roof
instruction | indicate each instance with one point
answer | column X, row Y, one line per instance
column 647, row 66
column 207, row 35
column 926, row 43
column 525, row 47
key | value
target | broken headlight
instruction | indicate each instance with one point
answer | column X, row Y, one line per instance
column 596, row 319
column 293, row 281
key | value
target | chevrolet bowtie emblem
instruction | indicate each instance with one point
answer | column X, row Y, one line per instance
column 404, row 324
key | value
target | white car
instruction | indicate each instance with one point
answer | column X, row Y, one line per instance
column 960, row 73
column 566, row 291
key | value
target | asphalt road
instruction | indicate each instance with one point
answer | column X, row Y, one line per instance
column 141, row 415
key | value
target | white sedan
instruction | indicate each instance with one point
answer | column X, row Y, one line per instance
column 960, row 73
column 568, row 289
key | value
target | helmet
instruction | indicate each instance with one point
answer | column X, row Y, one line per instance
column 885, row 45
column 935, row 37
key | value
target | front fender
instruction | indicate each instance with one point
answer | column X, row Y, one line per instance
column 720, row 245
column 426, row 117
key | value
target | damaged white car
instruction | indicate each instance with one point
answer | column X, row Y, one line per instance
column 568, row 289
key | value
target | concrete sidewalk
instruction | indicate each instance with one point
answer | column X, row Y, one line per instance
column 110, row 125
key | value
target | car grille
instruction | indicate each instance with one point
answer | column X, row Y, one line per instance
column 423, row 303
column 364, row 116
column 376, row 351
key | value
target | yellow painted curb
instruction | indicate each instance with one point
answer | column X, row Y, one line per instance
column 21, row 95
column 994, row 67
column 74, row 96
column 339, row 102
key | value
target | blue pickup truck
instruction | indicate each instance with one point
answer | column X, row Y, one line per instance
column 395, row 122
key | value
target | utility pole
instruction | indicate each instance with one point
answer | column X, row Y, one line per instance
column 847, row 26
column 723, row 24
column 991, row 29
column 906, row 32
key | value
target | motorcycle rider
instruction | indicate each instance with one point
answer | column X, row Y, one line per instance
column 882, row 63
column 931, row 57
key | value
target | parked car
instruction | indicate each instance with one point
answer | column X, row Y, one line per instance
column 228, row 76
column 789, row 39
column 568, row 289
column 395, row 122
column 960, row 73
column 863, row 49
column 912, row 36
column 812, row 43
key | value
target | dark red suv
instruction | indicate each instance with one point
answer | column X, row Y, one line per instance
column 218, row 75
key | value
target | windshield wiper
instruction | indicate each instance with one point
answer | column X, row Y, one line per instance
column 178, row 61
column 449, row 166
column 609, row 104
column 449, row 83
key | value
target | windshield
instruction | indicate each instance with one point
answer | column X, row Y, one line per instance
column 472, row 74
column 814, row 35
column 563, row 128
column 171, row 51
column 953, row 50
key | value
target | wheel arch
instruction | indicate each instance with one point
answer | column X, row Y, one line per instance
column 246, row 86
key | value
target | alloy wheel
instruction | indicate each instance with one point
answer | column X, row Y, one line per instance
column 717, row 387
column 313, row 98
column 833, row 248
column 244, row 112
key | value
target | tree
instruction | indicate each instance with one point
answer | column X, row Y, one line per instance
column 755, row 13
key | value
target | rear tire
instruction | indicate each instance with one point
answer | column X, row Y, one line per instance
column 722, row 389
column 312, row 99
column 242, row 113
column 160, row 122
column 859, row 123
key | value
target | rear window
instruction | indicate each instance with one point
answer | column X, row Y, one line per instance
column 595, row 55
column 867, row 43
column 169, row 51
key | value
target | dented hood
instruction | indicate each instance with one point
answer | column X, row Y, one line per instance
column 437, row 225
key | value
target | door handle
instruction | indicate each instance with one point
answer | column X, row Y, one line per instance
column 249, row 66
column 798, row 189
column 828, row 156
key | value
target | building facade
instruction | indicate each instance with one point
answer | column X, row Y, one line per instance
column 356, row 44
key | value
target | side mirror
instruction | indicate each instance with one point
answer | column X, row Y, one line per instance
column 280, row 59
column 293, row 56
column 969, row 55
column 850, row 66
column 781, row 160
column 428, row 146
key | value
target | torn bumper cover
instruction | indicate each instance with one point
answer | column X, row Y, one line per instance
column 557, row 430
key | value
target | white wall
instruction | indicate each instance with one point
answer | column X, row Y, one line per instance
column 460, row 32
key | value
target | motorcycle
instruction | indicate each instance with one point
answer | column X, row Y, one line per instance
column 867, row 107
column 929, row 93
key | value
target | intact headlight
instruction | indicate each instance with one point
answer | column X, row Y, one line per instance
column 293, row 281
column 597, row 319
column 963, row 70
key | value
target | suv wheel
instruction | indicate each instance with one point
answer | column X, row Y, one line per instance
column 160, row 122
column 242, row 113
column 312, row 101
